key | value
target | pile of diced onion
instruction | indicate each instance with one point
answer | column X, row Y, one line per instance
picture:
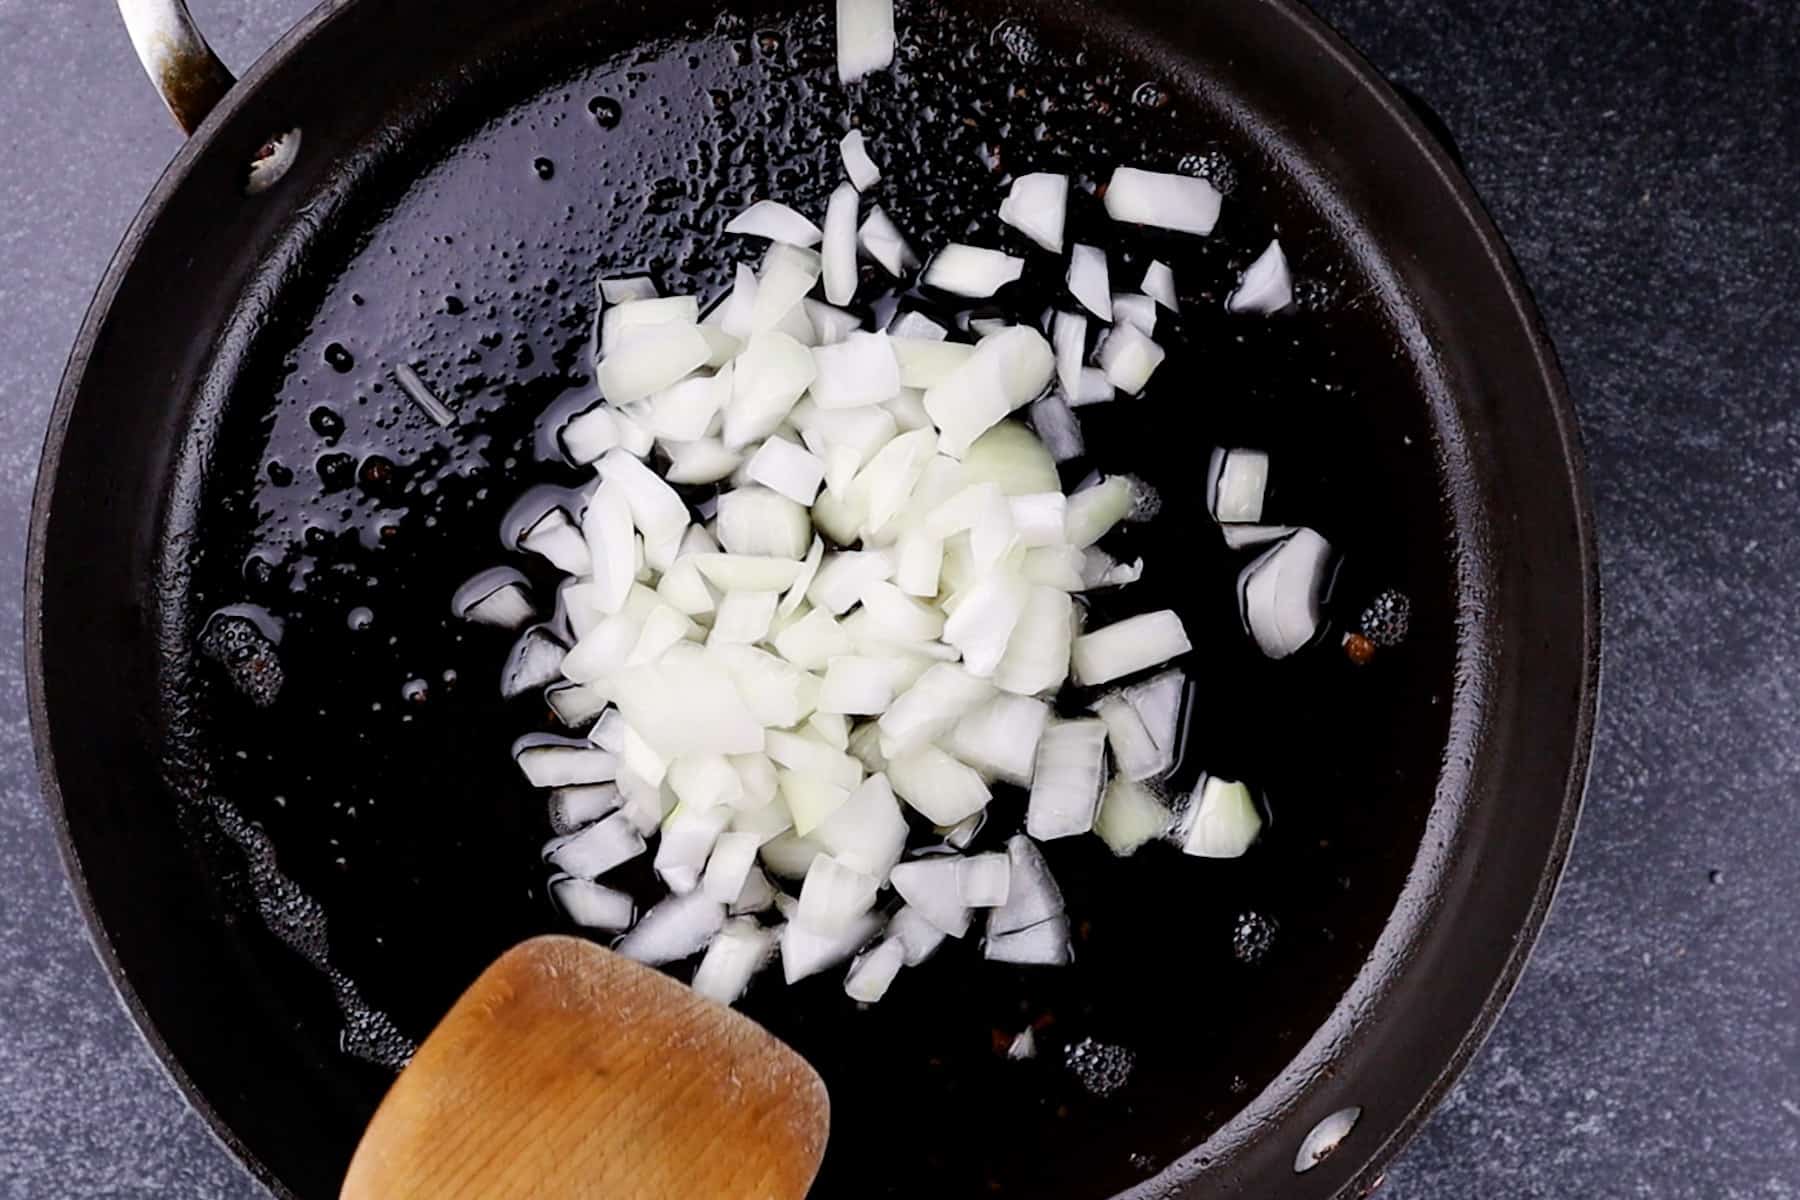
column 803, row 690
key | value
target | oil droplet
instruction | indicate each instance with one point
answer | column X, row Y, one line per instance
column 606, row 111
column 360, row 618
column 326, row 422
column 339, row 358
column 280, row 475
column 544, row 167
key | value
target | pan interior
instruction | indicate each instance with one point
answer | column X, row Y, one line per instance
column 370, row 842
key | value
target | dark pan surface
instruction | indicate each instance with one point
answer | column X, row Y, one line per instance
column 337, row 865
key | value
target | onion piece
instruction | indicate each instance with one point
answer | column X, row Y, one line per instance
column 930, row 888
column 857, row 686
column 806, row 952
column 625, row 289
column 1130, row 816
column 1088, row 281
column 788, row 855
column 1037, row 205
column 1065, row 786
column 897, row 617
column 628, row 321
column 925, row 363
column 1094, row 510
column 983, row 623
column 673, row 930
column 839, row 250
column 861, row 169
column 1281, row 593
column 918, row 936
column 1266, row 286
column 868, row 831
column 768, row 377
column 971, row 271
column 554, row 536
column 611, row 544
column 1100, row 569
column 603, row 649
column 588, row 435
column 1159, row 285
column 1091, row 388
column 1136, row 751
column 496, row 597
column 1043, row 945
column 743, row 618
column 592, row 905
column 982, row 880
column 1000, row 738
column 883, row 242
column 757, row 522
column 597, row 849
column 830, row 325
column 747, row 572
column 1129, row 358
column 1139, row 312
column 1011, row 457
column 1222, row 822
column 662, row 628
column 1039, row 647
column 1243, row 537
column 936, row 785
column 757, row 774
column 656, row 509
column 1006, row 371
column 865, row 40
column 788, row 274
column 861, row 370
column 842, row 577
column 1032, row 896
column 1236, row 483
column 875, row 971
column 704, row 461
column 932, row 706
column 1176, row 202
column 1038, row 518
column 1127, row 646
column 575, row 704
column 734, row 312
column 834, row 895
column 915, row 324
column 778, row 693
column 813, row 641
column 1059, row 567
column 651, row 361
column 706, row 782
column 739, row 950
column 728, row 869
column 685, row 411
column 686, row 705
column 1068, row 337
column 687, row 842
column 777, row 222
column 534, row 662
column 795, row 596
column 757, row 896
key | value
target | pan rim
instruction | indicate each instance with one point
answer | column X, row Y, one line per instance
column 1429, row 151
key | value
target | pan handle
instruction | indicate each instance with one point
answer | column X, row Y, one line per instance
column 185, row 71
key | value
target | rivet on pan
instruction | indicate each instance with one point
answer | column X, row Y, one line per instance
column 1325, row 1137
column 270, row 163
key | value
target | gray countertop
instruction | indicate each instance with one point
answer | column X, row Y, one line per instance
column 1642, row 159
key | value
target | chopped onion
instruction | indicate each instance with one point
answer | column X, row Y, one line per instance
column 1011, row 457
column 1135, row 751
column 1036, row 206
column 757, row 522
column 971, row 271
column 684, row 411
column 611, row 545
column 839, row 250
column 867, row 833
column 834, row 896
column 1176, row 202
column 843, row 576
column 857, row 686
column 1159, row 285
column 555, row 537
column 882, row 241
column 592, row 905
column 862, row 369
column 777, row 222
column 1100, row 569
column 926, row 362
column 757, row 774
column 1137, row 311
column 1068, row 335
column 1065, row 787
column 830, row 325
column 888, row 481
column 813, row 641
column 496, row 596
column 535, row 661
column 1024, row 1046
column 1243, row 537
column 597, row 849
column 687, row 842
column 1129, row 645
column 1038, row 518
column 1266, row 286
column 857, row 164
column 915, row 324
column 650, row 361
column 931, row 707
column 734, row 313
column 740, row 949
column 589, row 435
column 1094, row 510
column 942, row 789
column 1006, row 371
column 806, row 952
column 1222, row 821
column 662, row 628
column 744, row 618
column 1088, row 280
column 758, row 894
column 645, row 805
column 1039, row 646
column 919, row 937
column 983, row 623
column 575, row 704
column 629, row 321
column 897, row 617
column 1236, row 481
column 982, row 880
column 959, row 835
column 1043, row 945
column 687, row 705
column 788, row 274
column 747, row 572
column 930, row 888
column 796, row 593
column 789, row 856
column 1129, row 358
column 874, row 972
column 1130, row 815
column 779, row 694
column 625, row 289
column 918, row 561
column 704, row 461
column 1000, row 739
column 673, row 930
column 787, row 469
column 1091, row 388
column 865, row 39
column 1059, row 567
column 1032, row 896
column 769, row 377
column 728, row 869
column 656, row 509
column 1281, row 594
column 831, row 728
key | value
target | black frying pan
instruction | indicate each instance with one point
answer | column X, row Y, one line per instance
column 287, row 895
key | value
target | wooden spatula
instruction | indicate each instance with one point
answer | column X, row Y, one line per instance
column 567, row 1071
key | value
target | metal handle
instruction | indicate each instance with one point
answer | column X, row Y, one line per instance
column 187, row 74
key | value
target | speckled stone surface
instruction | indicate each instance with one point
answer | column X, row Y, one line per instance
column 1643, row 158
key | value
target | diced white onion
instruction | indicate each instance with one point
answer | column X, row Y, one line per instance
column 1129, row 358
column 650, row 361
column 1236, row 481
column 549, row 761
column 860, row 370
column 625, row 289
column 597, row 849
column 830, row 325
column 736, row 954
column 930, row 888
column 1059, row 567
column 982, row 880
column 767, row 379
column 1042, row 945
column 1088, row 281
column 1091, row 388
column 687, row 705
column 1243, row 537
column 839, row 250
column 813, row 641
column 1137, row 311
column 1056, row 426
column 1094, row 510
column 806, row 952
column 915, row 324
column 918, row 936
column 575, row 704
column 1039, row 647
column 587, row 436
column 1281, row 594
column 984, row 620
column 777, row 222
column 743, row 618
column 1100, row 569
column 843, row 576
column 1000, row 739
column 865, row 38
column 686, row 843
column 1068, row 336
column 942, row 789
column 971, row 271
column 555, row 537
column 1065, row 787
column 857, row 686
column 1222, row 821
column 789, row 856
column 1176, row 202
column 834, row 896
column 756, row 521
column 1135, row 751
column 883, row 242
column 874, row 971
column 1129, row 645
column 1011, row 457
column 592, row 905
column 622, row 324
column 1032, row 896
column 857, row 164
column 758, row 894
column 1130, row 816
column 728, row 870
column 1266, row 286
column 676, row 928
column 927, row 362
column 1159, row 285
column 868, row 831
column 704, row 461
column 747, row 572
column 1036, row 206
